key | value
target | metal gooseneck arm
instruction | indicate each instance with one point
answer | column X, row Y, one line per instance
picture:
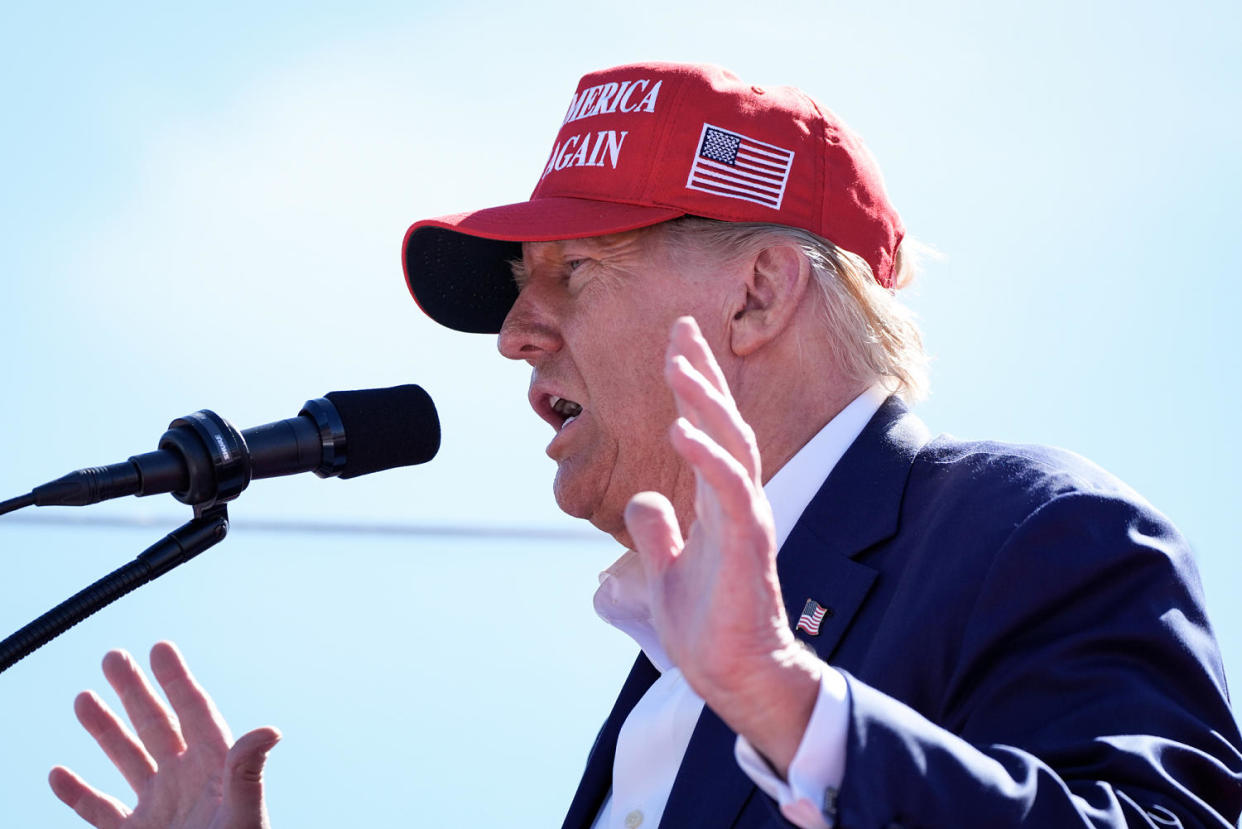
column 207, row 528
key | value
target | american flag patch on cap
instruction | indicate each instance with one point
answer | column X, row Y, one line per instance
column 733, row 165
column 812, row 615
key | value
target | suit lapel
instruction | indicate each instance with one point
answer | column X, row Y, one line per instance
column 855, row 508
column 859, row 503
column 840, row 585
column 597, row 776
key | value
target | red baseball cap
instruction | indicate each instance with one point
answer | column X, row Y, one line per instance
column 648, row 142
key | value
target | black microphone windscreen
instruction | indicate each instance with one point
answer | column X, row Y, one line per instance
column 386, row 428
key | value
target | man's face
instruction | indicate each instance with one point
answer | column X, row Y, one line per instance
column 592, row 318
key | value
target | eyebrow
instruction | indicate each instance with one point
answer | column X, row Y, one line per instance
column 519, row 269
column 520, row 273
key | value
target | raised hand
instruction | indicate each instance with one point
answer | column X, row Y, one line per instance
column 180, row 764
column 715, row 597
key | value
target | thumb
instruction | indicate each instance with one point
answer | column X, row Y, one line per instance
column 243, row 777
column 652, row 525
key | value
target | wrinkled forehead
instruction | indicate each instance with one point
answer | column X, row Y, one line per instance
column 646, row 240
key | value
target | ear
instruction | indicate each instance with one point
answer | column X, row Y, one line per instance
column 778, row 278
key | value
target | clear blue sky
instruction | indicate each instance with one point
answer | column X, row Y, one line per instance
column 204, row 208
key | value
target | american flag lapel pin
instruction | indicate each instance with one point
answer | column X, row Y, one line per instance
column 812, row 614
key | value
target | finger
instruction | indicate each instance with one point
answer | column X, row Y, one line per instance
column 243, row 774
column 93, row 806
column 713, row 413
column 686, row 339
column 652, row 524
column 155, row 724
column 727, row 479
column 122, row 748
column 201, row 723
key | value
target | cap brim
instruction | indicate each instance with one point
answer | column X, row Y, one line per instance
column 457, row 267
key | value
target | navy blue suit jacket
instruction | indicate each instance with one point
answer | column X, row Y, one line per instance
column 1024, row 642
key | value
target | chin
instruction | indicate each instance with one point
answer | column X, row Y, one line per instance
column 573, row 501
column 589, row 507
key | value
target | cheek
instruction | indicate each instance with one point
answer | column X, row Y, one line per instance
column 631, row 387
column 638, row 424
column 620, row 340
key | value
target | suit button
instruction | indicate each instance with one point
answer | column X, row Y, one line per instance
column 634, row 819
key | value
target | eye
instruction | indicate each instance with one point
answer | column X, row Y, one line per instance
column 575, row 270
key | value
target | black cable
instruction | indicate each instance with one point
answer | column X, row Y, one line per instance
column 17, row 503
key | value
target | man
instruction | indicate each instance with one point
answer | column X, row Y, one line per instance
column 952, row 634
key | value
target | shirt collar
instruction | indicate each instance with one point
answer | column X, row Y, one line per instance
column 622, row 600
column 795, row 484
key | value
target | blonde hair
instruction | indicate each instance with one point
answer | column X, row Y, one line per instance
column 875, row 335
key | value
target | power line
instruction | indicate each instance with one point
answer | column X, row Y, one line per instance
column 374, row 528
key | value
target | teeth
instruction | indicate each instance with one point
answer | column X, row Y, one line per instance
column 565, row 408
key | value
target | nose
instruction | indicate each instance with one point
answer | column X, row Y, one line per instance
column 530, row 329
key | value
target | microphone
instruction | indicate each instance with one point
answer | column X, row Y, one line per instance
column 203, row 459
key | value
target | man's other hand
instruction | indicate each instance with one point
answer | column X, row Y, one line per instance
column 183, row 764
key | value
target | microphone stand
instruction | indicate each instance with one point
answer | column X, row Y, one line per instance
column 208, row 527
column 204, row 461
column 217, row 465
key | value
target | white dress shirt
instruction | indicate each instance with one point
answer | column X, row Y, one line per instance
column 654, row 737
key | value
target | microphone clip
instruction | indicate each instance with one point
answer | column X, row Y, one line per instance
column 217, row 460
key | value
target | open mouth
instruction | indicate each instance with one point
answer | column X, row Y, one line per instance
column 566, row 410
